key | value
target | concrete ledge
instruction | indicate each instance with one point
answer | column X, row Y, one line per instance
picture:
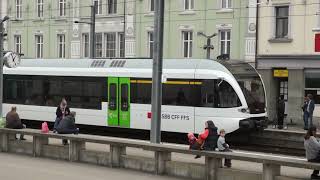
column 161, row 163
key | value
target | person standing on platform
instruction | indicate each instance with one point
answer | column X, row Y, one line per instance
column 310, row 109
column 312, row 147
column 61, row 112
column 305, row 113
column 281, row 109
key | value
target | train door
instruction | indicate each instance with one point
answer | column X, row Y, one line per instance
column 119, row 102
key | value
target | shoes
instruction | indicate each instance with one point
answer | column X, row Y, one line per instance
column 54, row 131
column 314, row 176
column 228, row 165
column 23, row 139
column 197, row 157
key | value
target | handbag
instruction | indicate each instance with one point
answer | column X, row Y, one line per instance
column 44, row 127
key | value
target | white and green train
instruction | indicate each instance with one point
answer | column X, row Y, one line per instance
column 117, row 92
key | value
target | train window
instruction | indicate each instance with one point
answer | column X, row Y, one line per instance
column 228, row 98
column 208, row 94
column 180, row 93
column 124, row 97
column 113, row 97
column 140, row 91
column 49, row 90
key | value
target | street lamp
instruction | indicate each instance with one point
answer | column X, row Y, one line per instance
column 2, row 35
column 208, row 46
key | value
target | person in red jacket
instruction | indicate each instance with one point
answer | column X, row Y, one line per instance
column 209, row 137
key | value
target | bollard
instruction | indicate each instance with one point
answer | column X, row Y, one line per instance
column 38, row 142
column 270, row 171
column 161, row 158
column 4, row 142
column 115, row 155
column 212, row 166
column 75, row 148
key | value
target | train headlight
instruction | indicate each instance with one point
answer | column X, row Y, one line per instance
column 245, row 110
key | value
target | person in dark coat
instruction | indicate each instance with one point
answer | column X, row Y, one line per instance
column 67, row 126
column 305, row 113
column 210, row 136
column 62, row 111
column 281, row 109
column 13, row 121
column 310, row 109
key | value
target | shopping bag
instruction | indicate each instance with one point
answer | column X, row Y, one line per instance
column 44, row 127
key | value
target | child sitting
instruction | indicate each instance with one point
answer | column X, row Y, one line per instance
column 224, row 147
column 194, row 144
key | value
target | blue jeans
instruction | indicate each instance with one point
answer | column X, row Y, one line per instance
column 305, row 119
column 56, row 123
column 310, row 120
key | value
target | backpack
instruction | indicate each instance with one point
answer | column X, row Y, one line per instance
column 44, row 127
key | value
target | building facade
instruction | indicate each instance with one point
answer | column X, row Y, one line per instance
column 3, row 12
column 288, row 54
column 232, row 20
column 46, row 29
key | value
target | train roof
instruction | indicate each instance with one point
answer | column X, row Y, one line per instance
column 96, row 66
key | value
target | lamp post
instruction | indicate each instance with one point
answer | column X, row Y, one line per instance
column 2, row 35
column 208, row 46
column 92, row 24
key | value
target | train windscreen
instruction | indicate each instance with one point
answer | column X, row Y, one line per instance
column 250, row 83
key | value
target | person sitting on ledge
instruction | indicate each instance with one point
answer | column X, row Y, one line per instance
column 312, row 146
column 67, row 126
column 13, row 121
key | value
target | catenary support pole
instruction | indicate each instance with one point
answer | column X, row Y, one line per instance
column 93, row 29
column 208, row 47
column 155, row 134
column 1, row 66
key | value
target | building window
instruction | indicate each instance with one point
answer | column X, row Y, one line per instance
column 110, row 41
column 18, row 9
column 99, row 6
column 151, row 5
column 61, row 46
column 98, row 45
column 121, row 45
column 17, row 43
column 225, row 4
column 40, row 8
column 282, row 21
column 39, row 46
column 62, row 7
column 85, row 45
column 225, row 42
column 150, row 44
column 112, row 6
column 188, row 4
column 187, row 43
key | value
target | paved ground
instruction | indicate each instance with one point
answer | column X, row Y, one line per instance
column 16, row 167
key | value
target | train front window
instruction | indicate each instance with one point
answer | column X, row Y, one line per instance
column 253, row 90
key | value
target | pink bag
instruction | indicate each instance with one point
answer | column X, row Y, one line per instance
column 44, row 127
